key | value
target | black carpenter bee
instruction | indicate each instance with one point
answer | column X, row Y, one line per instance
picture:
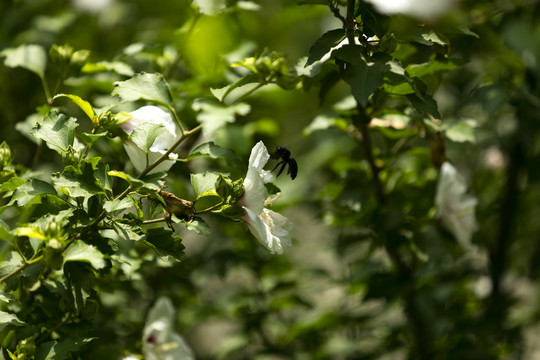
column 285, row 155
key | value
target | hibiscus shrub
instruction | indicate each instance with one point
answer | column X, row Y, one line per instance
column 141, row 212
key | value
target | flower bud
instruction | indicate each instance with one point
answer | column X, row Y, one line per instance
column 71, row 157
column 5, row 155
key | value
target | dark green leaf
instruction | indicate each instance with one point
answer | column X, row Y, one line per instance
column 314, row 2
column 165, row 243
column 323, row 45
column 363, row 77
column 59, row 350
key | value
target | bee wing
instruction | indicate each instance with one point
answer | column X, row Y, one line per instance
column 293, row 168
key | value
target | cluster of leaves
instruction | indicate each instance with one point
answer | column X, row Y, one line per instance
column 88, row 243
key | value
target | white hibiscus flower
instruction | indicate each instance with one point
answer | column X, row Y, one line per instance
column 160, row 342
column 422, row 9
column 269, row 227
column 152, row 115
column 455, row 208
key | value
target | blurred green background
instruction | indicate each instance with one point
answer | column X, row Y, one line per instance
column 334, row 294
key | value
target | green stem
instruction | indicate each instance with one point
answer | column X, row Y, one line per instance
column 46, row 89
column 21, row 268
column 176, row 118
column 210, row 208
column 153, row 221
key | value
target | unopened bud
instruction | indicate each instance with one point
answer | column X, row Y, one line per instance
column 5, row 155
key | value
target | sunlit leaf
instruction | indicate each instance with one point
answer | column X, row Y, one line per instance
column 211, row 150
column 243, row 86
column 80, row 251
column 204, row 183
column 30, row 57
column 116, row 66
column 30, row 189
column 213, row 115
column 144, row 86
column 82, row 104
column 57, row 130
column 145, row 134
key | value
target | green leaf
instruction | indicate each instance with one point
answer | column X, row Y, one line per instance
column 30, row 57
column 243, row 86
column 82, row 104
column 461, row 130
column 323, row 122
column 324, row 44
column 90, row 139
column 81, row 251
column 165, row 243
column 430, row 38
column 363, row 77
column 5, row 233
column 11, row 184
column 9, row 319
column 434, row 66
column 31, row 189
column 116, row 66
column 127, row 231
column 145, row 134
column 149, row 184
column 82, row 181
column 198, row 225
column 59, row 350
column 144, row 86
column 117, row 205
column 211, row 150
column 213, row 115
column 57, row 131
column 204, row 184
column 10, row 262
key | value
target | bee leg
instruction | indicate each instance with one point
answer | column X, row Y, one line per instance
column 283, row 164
column 282, row 168
column 279, row 163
